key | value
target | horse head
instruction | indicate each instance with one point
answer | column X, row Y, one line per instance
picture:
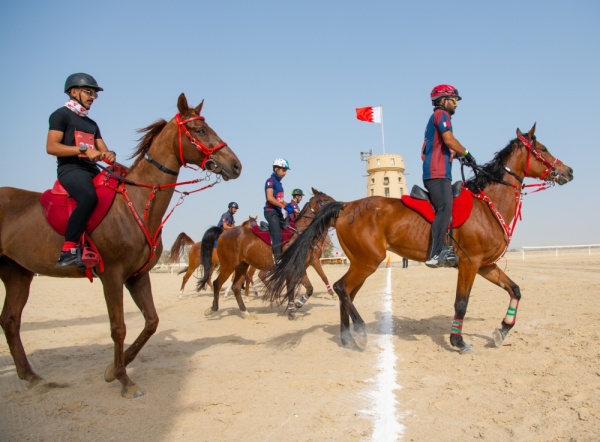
column 318, row 200
column 540, row 162
column 201, row 145
column 251, row 221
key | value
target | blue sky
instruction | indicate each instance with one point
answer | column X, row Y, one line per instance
column 282, row 79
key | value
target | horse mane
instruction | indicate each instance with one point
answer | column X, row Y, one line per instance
column 146, row 140
column 492, row 171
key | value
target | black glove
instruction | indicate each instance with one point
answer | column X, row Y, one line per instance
column 470, row 159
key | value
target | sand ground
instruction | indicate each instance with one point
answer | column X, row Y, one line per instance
column 266, row 378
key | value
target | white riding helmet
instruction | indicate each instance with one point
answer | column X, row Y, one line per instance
column 280, row 162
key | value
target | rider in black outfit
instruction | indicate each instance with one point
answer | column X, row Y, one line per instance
column 75, row 140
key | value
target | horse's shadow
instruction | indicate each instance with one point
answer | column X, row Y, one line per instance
column 435, row 328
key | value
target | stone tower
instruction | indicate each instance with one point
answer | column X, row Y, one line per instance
column 385, row 175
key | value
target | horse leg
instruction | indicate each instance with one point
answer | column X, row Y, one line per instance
column 17, row 281
column 187, row 276
column 230, row 288
column 217, row 284
column 250, row 282
column 238, row 278
column 292, row 306
column 346, row 288
column 113, row 293
column 316, row 264
column 498, row 277
column 466, row 277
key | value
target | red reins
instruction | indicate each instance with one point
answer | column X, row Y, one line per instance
column 154, row 239
column 551, row 167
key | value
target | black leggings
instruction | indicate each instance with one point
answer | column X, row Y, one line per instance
column 80, row 186
column 276, row 223
column 440, row 193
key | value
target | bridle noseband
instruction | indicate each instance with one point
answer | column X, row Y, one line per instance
column 207, row 151
column 551, row 173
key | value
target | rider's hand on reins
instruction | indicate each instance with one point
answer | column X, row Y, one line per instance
column 468, row 159
column 109, row 157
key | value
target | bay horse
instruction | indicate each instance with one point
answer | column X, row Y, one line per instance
column 240, row 248
column 129, row 243
column 366, row 228
column 194, row 261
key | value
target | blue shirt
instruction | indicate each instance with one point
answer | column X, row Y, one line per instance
column 274, row 182
column 290, row 209
column 438, row 156
column 227, row 217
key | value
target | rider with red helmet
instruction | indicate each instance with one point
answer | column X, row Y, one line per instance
column 76, row 142
column 439, row 148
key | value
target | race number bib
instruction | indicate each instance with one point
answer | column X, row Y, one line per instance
column 84, row 139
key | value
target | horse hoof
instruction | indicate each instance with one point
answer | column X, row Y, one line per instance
column 109, row 374
column 209, row 312
column 131, row 392
column 245, row 314
column 291, row 315
column 298, row 304
column 498, row 337
column 361, row 340
column 466, row 348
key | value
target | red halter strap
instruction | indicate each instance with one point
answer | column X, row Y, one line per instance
column 207, row 151
column 551, row 167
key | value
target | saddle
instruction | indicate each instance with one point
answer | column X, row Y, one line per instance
column 58, row 206
column 262, row 231
column 461, row 207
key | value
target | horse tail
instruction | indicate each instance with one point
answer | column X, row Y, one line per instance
column 183, row 271
column 292, row 266
column 181, row 241
column 206, row 251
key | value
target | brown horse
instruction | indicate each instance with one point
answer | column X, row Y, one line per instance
column 240, row 248
column 184, row 240
column 28, row 245
column 366, row 228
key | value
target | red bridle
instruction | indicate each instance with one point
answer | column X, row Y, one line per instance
column 207, row 151
column 551, row 167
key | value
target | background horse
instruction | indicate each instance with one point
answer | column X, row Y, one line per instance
column 240, row 248
column 130, row 244
column 366, row 228
column 194, row 260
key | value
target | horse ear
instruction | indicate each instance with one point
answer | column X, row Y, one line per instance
column 314, row 191
column 532, row 131
column 182, row 104
column 199, row 107
column 519, row 133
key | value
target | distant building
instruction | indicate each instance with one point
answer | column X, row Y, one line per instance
column 386, row 175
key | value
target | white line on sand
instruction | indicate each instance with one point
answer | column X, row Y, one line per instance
column 383, row 410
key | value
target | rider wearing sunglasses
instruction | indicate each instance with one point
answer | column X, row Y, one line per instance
column 438, row 151
column 75, row 140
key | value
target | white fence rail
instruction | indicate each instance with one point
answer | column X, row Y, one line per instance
column 556, row 249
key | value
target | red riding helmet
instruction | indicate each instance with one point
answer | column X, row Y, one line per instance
column 444, row 90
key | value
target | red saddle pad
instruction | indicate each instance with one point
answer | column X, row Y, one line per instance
column 286, row 234
column 58, row 206
column 461, row 207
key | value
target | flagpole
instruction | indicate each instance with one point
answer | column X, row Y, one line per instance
column 382, row 137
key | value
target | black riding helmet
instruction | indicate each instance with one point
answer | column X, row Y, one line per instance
column 233, row 204
column 81, row 80
column 297, row 192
